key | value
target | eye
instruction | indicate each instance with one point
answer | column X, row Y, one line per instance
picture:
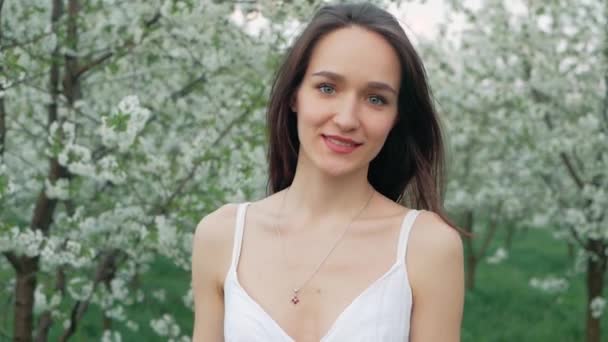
column 377, row 100
column 326, row 88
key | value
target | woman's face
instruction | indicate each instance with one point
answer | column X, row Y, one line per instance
column 347, row 102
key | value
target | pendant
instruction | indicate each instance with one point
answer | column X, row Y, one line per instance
column 294, row 299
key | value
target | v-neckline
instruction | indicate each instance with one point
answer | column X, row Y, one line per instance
column 336, row 321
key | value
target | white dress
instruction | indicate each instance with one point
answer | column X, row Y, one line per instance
column 380, row 313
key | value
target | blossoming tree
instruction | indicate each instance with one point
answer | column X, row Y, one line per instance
column 544, row 66
column 121, row 124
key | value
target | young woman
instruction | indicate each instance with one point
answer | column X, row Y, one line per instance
column 332, row 254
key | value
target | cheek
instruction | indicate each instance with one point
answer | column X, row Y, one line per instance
column 381, row 127
column 311, row 111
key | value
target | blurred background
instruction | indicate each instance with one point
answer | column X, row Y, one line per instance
column 124, row 122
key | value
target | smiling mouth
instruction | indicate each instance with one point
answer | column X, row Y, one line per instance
column 340, row 146
column 341, row 142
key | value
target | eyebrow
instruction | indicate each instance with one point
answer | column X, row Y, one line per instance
column 340, row 78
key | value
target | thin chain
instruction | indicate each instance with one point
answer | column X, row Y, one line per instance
column 296, row 290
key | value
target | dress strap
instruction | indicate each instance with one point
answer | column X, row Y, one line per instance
column 406, row 227
column 239, row 227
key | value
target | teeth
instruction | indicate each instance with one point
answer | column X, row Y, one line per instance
column 341, row 143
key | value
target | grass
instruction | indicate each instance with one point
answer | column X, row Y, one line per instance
column 162, row 275
column 503, row 307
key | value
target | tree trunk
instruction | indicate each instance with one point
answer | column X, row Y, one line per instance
column 471, row 272
column 27, row 267
column 596, row 268
column 106, row 323
column 509, row 237
column 571, row 250
column 25, row 286
column 44, row 326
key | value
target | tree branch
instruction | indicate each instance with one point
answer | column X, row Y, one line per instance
column 94, row 63
column 13, row 260
column 188, row 87
column 573, row 232
column 541, row 96
column 162, row 208
column 577, row 179
column 104, row 57
column 489, row 235
column 44, row 325
column 106, row 269
column 13, row 43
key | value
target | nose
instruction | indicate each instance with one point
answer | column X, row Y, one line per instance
column 347, row 116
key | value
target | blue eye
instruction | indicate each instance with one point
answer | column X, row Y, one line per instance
column 326, row 88
column 377, row 100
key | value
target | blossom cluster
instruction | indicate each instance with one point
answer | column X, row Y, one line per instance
column 121, row 127
column 550, row 284
column 166, row 326
column 500, row 255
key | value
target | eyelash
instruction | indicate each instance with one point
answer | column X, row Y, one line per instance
column 322, row 85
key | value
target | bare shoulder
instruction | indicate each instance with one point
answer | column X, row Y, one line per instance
column 432, row 237
column 216, row 225
column 213, row 239
column 435, row 265
column 211, row 253
column 435, row 251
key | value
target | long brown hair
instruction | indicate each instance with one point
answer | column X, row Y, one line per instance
column 409, row 168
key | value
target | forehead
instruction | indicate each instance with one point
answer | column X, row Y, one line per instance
column 358, row 54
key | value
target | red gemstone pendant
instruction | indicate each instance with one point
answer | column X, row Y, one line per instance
column 295, row 300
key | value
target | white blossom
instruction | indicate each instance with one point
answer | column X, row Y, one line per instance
column 159, row 294
column 165, row 326
column 22, row 241
column 80, row 288
column 116, row 312
column 549, row 284
column 122, row 126
column 111, row 336
column 120, row 291
column 188, row 299
column 132, row 325
column 42, row 302
column 597, row 306
column 134, row 134
column 59, row 190
column 500, row 255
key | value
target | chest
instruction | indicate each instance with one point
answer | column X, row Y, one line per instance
column 354, row 277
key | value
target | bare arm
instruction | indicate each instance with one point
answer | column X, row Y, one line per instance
column 210, row 254
column 436, row 266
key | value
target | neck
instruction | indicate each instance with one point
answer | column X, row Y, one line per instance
column 319, row 196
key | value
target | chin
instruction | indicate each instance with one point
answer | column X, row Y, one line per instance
column 340, row 170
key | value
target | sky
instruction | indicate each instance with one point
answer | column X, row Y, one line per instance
column 419, row 18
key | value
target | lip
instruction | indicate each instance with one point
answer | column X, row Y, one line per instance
column 340, row 148
column 343, row 139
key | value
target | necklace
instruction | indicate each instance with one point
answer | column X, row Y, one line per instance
column 295, row 299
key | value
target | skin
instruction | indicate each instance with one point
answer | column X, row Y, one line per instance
column 346, row 91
